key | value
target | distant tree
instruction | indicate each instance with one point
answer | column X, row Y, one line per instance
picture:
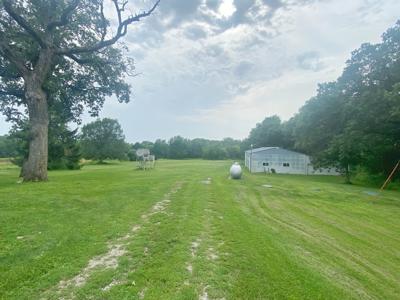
column 60, row 51
column 130, row 152
column 214, row 152
column 64, row 149
column 4, row 151
column 147, row 145
column 8, row 147
column 160, row 149
column 103, row 139
column 182, row 148
column 137, row 145
column 233, row 152
column 19, row 134
column 232, row 148
column 319, row 120
column 269, row 133
column 178, row 148
column 143, row 145
column 343, row 153
column 196, row 147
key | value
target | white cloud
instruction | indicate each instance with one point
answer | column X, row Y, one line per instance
column 227, row 8
column 281, row 96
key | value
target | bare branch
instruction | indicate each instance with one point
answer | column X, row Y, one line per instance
column 65, row 16
column 104, row 22
column 23, row 23
column 121, row 31
column 118, row 10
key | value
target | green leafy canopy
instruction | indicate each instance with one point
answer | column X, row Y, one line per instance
column 87, row 63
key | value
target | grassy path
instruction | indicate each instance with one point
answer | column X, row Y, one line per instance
column 185, row 231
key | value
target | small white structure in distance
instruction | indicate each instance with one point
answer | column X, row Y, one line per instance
column 145, row 159
column 279, row 160
column 236, row 171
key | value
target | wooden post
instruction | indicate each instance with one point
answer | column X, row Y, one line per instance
column 390, row 176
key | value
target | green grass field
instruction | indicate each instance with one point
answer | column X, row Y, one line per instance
column 114, row 232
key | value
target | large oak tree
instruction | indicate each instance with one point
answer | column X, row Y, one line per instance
column 60, row 53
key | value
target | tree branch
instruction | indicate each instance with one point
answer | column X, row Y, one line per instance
column 104, row 22
column 65, row 16
column 23, row 23
column 121, row 31
column 88, row 61
column 81, row 61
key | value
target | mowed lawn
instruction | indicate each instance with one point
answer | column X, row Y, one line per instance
column 186, row 231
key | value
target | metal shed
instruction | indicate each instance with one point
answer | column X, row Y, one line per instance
column 279, row 160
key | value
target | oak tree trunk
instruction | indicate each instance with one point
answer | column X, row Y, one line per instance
column 35, row 166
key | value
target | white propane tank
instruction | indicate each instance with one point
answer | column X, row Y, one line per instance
column 236, row 171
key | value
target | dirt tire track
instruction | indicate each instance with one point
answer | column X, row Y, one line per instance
column 116, row 249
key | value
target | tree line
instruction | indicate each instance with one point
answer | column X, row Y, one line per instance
column 104, row 139
column 182, row 148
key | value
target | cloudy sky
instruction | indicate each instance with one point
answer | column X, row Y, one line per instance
column 214, row 68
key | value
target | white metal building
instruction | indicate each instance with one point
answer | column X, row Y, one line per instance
column 278, row 160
